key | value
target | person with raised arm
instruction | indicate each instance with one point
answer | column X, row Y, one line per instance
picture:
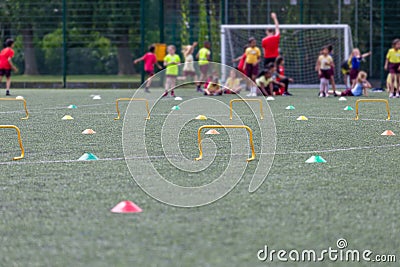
column 270, row 43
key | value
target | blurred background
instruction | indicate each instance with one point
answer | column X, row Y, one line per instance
column 84, row 40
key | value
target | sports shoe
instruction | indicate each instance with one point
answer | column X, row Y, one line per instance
column 252, row 94
column 397, row 95
column 334, row 94
column 321, row 94
column 391, row 95
column 287, row 94
column 165, row 94
column 8, row 92
column 326, row 95
column 172, row 93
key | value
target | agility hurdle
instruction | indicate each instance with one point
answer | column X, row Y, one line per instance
column 245, row 100
column 23, row 100
column 374, row 101
column 132, row 99
column 19, row 139
column 253, row 153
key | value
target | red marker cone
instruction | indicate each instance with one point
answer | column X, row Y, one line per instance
column 126, row 207
column 388, row 132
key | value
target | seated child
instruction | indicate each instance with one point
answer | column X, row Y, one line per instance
column 276, row 84
column 213, row 88
column 232, row 84
column 265, row 83
column 361, row 86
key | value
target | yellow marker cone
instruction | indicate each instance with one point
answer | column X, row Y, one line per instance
column 212, row 131
column 388, row 132
column 88, row 131
column 302, row 118
column 201, row 117
column 67, row 117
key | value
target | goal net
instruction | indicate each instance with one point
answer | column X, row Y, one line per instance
column 300, row 46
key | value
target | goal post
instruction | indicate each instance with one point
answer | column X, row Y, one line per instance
column 300, row 46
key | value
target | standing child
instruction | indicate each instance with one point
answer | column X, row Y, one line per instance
column 324, row 66
column 204, row 60
column 332, row 80
column 6, row 64
column 361, row 86
column 253, row 54
column 356, row 58
column 346, row 67
column 392, row 64
column 188, row 68
column 170, row 62
column 149, row 60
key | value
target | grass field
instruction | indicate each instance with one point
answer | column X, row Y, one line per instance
column 55, row 210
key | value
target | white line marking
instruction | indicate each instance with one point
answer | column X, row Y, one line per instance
column 179, row 156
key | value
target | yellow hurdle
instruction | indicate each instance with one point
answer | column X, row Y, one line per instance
column 132, row 99
column 23, row 100
column 253, row 153
column 19, row 139
column 245, row 100
column 374, row 101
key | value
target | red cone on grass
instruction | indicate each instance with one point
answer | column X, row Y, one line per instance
column 388, row 132
column 126, row 207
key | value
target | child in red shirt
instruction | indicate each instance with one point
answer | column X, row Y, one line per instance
column 149, row 60
column 6, row 64
column 242, row 60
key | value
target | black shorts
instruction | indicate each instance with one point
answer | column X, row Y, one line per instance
column 251, row 70
column 268, row 60
column 325, row 74
column 394, row 68
column 4, row 72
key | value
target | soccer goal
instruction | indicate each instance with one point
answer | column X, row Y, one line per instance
column 300, row 46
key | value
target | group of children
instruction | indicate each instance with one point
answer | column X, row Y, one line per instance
column 350, row 68
column 271, row 80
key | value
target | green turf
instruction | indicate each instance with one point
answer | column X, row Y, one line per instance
column 76, row 78
column 54, row 211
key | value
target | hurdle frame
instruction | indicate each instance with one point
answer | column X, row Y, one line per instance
column 253, row 153
column 25, row 106
column 372, row 101
column 19, row 139
column 245, row 100
column 132, row 99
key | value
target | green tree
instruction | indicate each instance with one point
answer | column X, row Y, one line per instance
column 203, row 25
column 185, row 22
column 215, row 33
